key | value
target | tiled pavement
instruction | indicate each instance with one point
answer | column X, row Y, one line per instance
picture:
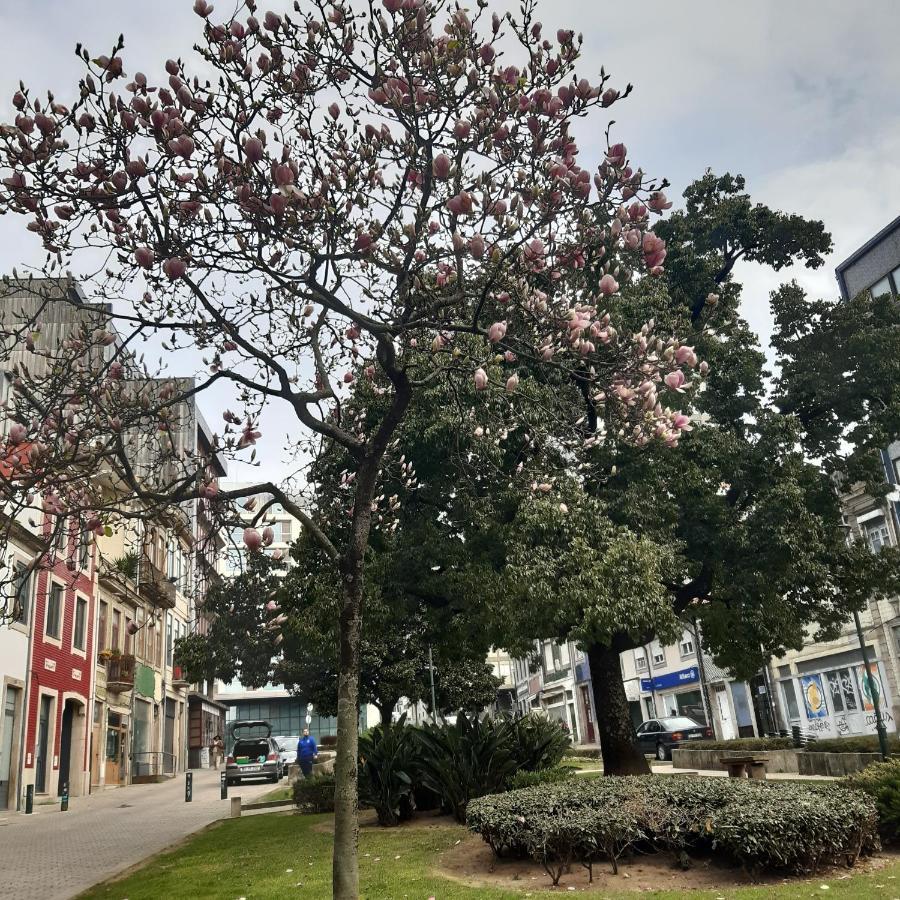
column 51, row 855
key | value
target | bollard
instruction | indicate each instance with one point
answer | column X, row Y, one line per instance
column 188, row 786
column 235, row 807
column 223, row 787
column 29, row 798
column 64, row 800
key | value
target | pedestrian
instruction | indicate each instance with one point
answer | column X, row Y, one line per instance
column 307, row 753
column 216, row 749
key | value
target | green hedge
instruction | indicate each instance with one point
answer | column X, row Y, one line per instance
column 763, row 825
column 763, row 743
column 863, row 743
column 547, row 776
column 881, row 781
column 315, row 794
column 584, row 753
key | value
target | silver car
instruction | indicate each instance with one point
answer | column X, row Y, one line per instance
column 254, row 753
column 288, row 747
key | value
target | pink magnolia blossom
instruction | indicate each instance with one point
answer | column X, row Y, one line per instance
column 608, row 285
column 512, row 383
column 658, row 202
column 441, row 166
column 497, row 332
column 268, row 535
column 174, row 268
column 17, row 433
column 685, row 356
column 253, row 149
column 252, row 539
column 481, row 379
column 616, row 155
column 674, row 380
column 202, row 8
column 144, row 257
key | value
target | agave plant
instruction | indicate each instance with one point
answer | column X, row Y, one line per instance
column 466, row 760
column 386, row 756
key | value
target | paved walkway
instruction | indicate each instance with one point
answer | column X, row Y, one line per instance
column 51, row 855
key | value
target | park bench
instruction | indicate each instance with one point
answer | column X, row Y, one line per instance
column 742, row 766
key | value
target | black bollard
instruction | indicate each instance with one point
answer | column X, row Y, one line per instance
column 223, row 787
column 64, row 800
column 188, row 786
column 29, row 798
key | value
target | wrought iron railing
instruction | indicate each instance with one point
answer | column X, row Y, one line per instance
column 120, row 673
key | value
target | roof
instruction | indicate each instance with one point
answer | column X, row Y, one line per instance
column 861, row 251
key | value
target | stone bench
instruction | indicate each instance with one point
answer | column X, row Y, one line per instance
column 741, row 766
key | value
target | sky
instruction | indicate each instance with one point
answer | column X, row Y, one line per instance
column 799, row 96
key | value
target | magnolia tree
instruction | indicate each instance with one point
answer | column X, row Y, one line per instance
column 345, row 193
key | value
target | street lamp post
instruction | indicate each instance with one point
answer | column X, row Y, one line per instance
column 873, row 689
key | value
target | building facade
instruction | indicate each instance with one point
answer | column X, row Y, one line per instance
column 873, row 267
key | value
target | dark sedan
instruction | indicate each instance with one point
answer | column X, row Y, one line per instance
column 659, row 736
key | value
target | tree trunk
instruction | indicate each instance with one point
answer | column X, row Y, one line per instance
column 618, row 745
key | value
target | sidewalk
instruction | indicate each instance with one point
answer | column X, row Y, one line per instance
column 666, row 768
column 51, row 855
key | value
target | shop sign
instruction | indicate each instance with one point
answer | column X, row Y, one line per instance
column 671, row 680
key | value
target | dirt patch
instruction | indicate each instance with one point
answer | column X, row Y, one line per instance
column 369, row 821
column 472, row 862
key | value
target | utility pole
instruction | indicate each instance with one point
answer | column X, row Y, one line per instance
column 873, row 689
column 704, row 689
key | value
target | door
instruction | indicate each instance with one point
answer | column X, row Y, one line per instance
column 97, row 744
column 725, row 719
column 646, row 736
column 169, row 738
column 40, row 765
column 115, row 749
column 7, row 736
column 65, row 746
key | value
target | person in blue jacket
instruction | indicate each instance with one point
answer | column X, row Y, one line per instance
column 307, row 753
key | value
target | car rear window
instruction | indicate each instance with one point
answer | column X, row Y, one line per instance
column 252, row 750
column 680, row 722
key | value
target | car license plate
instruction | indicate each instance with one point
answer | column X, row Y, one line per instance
column 693, row 737
column 249, row 768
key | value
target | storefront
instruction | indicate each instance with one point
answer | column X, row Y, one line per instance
column 833, row 696
column 675, row 694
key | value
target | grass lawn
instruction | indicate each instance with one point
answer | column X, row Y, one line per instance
column 581, row 762
column 272, row 856
column 285, row 792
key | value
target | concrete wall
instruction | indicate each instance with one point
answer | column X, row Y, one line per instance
column 798, row 762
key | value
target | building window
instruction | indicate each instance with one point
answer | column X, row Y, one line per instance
column 840, row 687
column 101, row 626
column 60, row 541
column 640, row 660
column 169, row 639
column 84, row 551
column 556, row 654
column 22, row 593
column 687, row 644
column 877, row 535
column 80, row 629
column 53, row 625
column 116, row 629
column 658, row 653
column 881, row 288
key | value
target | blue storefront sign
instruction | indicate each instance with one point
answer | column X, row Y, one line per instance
column 671, row 679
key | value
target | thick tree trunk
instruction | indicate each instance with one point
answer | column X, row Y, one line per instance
column 345, row 858
column 618, row 746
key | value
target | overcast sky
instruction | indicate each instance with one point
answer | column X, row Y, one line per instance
column 800, row 96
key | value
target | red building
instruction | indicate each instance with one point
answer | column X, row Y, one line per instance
column 58, row 727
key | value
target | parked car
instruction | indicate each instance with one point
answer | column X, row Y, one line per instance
column 288, row 747
column 254, row 753
column 659, row 736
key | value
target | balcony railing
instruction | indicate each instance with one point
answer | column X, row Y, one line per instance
column 153, row 584
column 556, row 675
column 120, row 674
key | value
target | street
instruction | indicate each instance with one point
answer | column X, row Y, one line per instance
column 51, row 855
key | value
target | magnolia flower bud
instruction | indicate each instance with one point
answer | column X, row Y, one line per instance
column 512, row 383
column 252, row 539
column 497, row 332
column 481, row 379
column 268, row 535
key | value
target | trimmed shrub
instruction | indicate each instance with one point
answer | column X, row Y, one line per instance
column 386, row 757
column 315, row 794
column 881, row 781
column 772, row 825
column 525, row 779
column 863, row 743
column 328, row 740
column 763, row 743
column 584, row 753
column 538, row 742
column 468, row 759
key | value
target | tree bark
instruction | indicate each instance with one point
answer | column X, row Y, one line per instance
column 618, row 745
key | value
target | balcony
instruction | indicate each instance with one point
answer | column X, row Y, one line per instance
column 178, row 678
column 154, row 586
column 120, row 674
